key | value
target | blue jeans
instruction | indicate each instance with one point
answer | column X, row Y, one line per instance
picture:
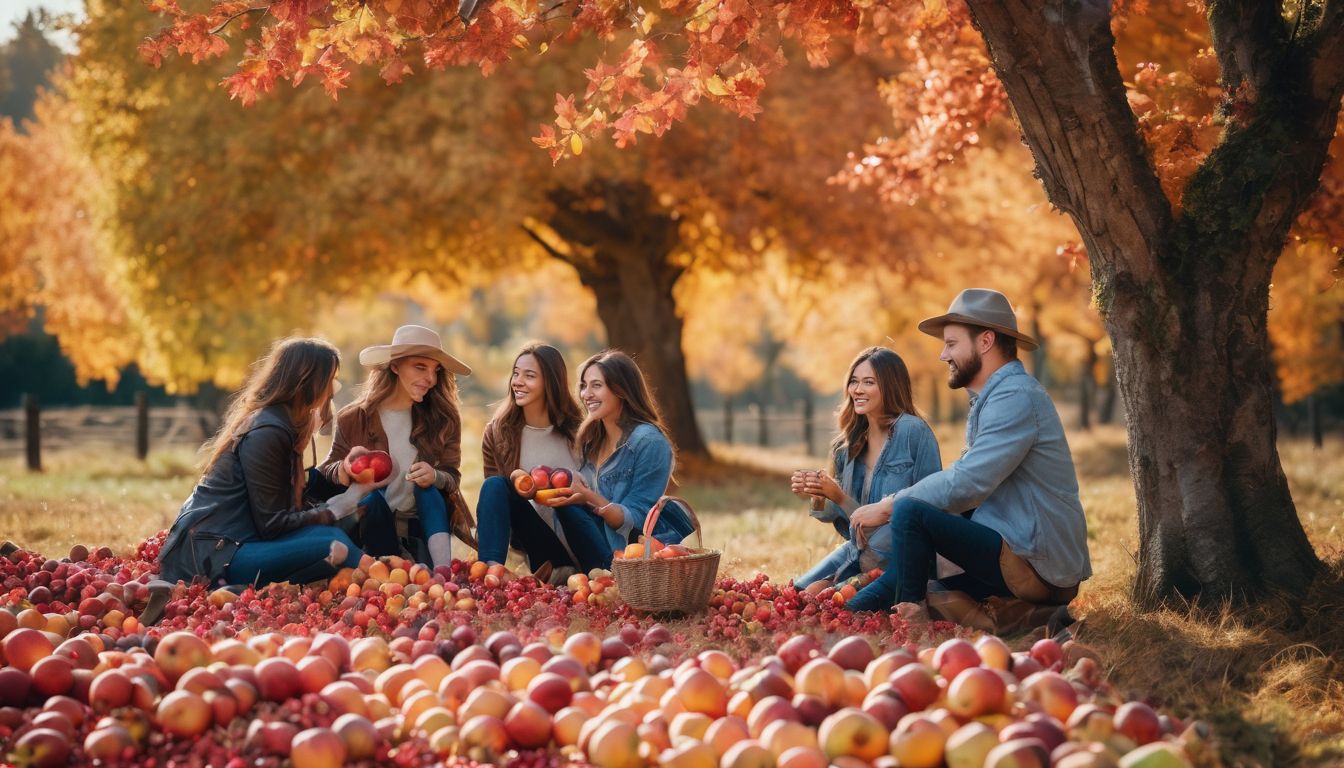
column 299, row 556
column 379, row 525
column 918, row 532
column 587, row 536
column 504, row 517
column 841, row 564
column 586, row 533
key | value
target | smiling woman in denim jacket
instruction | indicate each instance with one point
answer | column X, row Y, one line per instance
column 883, row 447
column 627, row 461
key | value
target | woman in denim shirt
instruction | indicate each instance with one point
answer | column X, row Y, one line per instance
column 627, row 463
column 883, row 447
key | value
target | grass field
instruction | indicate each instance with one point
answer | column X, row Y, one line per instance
column 1274, row 689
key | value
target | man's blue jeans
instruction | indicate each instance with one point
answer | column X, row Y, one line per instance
column 379, row 526
column 299, row 556
column 918, row 532
column 502, row 516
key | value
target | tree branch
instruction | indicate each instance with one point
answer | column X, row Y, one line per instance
column 226, row 22
column 554, row 252
column 1057, row 62
column 1248, row 36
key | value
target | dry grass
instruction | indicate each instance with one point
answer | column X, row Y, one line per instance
column 1272, row 685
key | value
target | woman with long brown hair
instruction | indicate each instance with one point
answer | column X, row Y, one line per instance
column 408, row 408
column 252, row 518
column 627, row 461
column 534, row 426
column 883, row 446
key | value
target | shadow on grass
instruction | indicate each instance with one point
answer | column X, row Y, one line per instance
column 1269, row 679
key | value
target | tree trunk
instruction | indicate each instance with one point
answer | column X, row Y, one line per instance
column 623, row 244
column 1314, row 419
column 1086, row 386
column 728, row 419
column 1185, row 298
column 1106, row 408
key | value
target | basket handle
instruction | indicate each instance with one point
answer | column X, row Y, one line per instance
column 651, row 520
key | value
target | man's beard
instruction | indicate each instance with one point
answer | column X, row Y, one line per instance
column 959, row 375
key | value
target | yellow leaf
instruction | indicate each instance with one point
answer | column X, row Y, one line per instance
column 576, row 144
column 544, row 47
column 716, row 86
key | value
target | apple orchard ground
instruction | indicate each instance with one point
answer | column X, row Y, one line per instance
column 1272, row 696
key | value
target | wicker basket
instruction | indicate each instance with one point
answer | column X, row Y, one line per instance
column 668, row 585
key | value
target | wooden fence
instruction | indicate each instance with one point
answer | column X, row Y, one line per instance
column 31, row 429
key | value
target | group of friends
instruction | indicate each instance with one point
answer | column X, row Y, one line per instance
column 1002, row 523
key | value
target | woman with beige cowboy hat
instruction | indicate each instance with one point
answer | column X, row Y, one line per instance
column 408, row 407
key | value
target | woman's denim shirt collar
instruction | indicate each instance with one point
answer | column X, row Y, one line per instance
column 634, row 477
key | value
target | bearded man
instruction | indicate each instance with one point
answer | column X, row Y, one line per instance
column 1007, row 512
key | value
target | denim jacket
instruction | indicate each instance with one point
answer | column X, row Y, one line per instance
column 910, row 454
column 633, row 478
column 1017, row 474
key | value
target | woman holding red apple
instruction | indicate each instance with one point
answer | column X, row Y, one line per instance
column 531, row 434
column 255, row 517
column 627, row 460
column 409, row 409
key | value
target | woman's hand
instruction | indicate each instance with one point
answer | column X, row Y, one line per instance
column 343, row 471
column 582, row 494
column 798, row 483
column 821, row 484
column 866, row 517
column 422, row 474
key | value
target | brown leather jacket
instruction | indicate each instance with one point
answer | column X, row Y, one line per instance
column 356, row 425
column 496, row 462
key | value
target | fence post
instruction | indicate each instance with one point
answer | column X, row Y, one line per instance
column 763, row 434
column 141, row 425
column 807, row 422
column 728, row 419
column 32, row 432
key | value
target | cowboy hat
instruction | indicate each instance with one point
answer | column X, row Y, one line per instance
column 983, row 307
column 413, row 340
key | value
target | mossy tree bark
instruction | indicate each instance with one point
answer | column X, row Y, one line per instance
column 1184, row 295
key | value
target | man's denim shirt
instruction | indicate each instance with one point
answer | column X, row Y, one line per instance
column 634, row 477
column 1017, row 474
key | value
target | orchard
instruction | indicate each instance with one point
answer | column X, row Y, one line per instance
column 397, row 664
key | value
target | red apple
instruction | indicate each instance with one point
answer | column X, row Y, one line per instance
column 528, row 725
column 14, row 686
column 561, row 478
column 1133, row 719
column 797, row 651
column 108, row 743
column 41, row 748
column 953, row 656
column 179, row 652
column 273, row 737
column 915, row 686
column 371, row 467
column 360, row 737
column 278, row 679
column 183, row 713
column 53, row 676
column 551, row 691
column 317, row 748
column 24, row 647
column 976, row 691
column 853, row 652
column 541, row 476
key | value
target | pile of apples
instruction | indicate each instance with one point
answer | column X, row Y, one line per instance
column 620, row 702
column 542, row 483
